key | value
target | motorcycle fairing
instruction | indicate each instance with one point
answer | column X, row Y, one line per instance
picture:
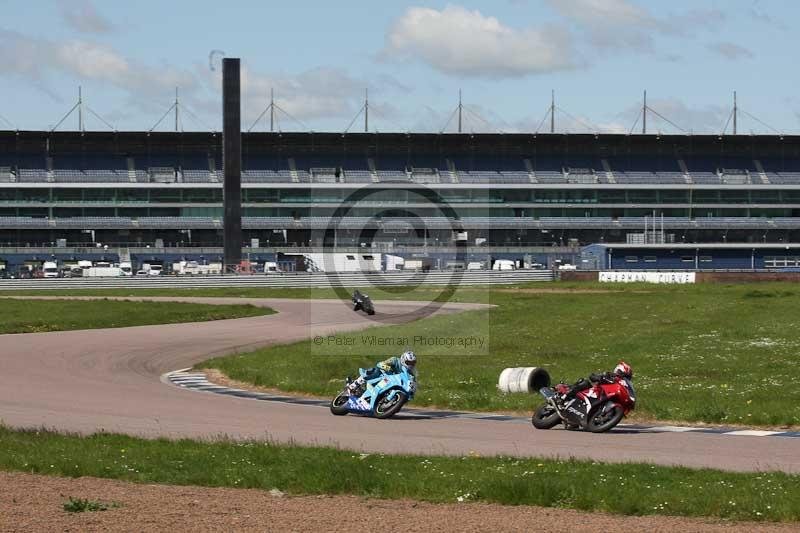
column 375, row 387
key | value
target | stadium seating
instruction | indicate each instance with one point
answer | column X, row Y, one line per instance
column 357, row 176
column 393, row 176
column 486, row 169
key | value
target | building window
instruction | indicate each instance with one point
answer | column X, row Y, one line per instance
column 351, row 258
column 650, row 259
column 706, row 258
column 781, row 262
column 631, row 259
column 687, row 259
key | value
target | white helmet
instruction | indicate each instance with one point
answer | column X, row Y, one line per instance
column 408, row 360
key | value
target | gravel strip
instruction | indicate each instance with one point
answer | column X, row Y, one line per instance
column 30, row 503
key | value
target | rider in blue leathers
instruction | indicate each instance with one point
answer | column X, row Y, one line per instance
column 393, row 365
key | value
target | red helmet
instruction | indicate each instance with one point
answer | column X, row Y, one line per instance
column 624, row 370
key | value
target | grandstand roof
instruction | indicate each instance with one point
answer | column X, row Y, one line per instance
column 134, row 142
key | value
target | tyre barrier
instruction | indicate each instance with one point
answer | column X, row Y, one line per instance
column 523, row 379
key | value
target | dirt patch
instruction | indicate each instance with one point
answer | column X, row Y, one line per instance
column 34, row 503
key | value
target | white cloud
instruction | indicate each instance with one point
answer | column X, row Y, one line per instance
column 36, row 59
column 731, row 51
column 622, row 24
column 81, row 15
column 317, row 93
column 458, row 41
column 690, row 119
column 758, row 13
column 321, row 93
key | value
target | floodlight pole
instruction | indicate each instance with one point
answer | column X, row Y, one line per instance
column 231, row 163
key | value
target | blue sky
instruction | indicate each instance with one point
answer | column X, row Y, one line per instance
column 506, row 56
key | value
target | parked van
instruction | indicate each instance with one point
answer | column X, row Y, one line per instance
column 50, row 269
column 504, row 264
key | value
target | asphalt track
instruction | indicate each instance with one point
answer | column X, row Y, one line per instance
column 87, row 381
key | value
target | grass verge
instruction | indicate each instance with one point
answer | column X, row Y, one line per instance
column 709, row 353
column 630, row 489
column 35, row 316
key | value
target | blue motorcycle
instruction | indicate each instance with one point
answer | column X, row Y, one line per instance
column 381, row 397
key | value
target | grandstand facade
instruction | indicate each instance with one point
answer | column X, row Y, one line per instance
column 519, row 191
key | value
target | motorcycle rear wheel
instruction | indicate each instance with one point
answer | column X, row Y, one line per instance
column 545, row 417
column 600, row 422
column 338, row 404
column 385, row 408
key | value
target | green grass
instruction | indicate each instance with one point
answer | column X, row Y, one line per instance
column 631, row 489
column 705, row 353
column 382, row 293
column 34, row 316
column 82, row 505
column 710, row 353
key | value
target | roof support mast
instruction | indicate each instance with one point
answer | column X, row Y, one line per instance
column 459, row 111
column 272, row 110
column 552, row 111
column 644, row 114
column 366, row 110
column 735, row 111
column 176, row 109
column 80, row 109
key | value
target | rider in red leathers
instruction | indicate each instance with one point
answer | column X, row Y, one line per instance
column 622, row 370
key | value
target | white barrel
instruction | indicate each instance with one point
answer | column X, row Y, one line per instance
column 523, row 379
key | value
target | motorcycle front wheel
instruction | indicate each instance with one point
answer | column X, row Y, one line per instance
column 386, row 408
column 338, row 404
column 545, row 417
column 605, row 420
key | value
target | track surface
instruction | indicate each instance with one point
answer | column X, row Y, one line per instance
column 93, row 380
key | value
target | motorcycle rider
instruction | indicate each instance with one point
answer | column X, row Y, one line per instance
column 393, row 365
column 622, row 370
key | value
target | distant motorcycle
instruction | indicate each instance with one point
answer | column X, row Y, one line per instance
column 362, row 302
column 598, row 408
column 381, row 397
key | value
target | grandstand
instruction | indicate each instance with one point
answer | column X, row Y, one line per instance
column 134, row 189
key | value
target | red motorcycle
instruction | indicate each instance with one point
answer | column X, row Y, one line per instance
column 599, row 407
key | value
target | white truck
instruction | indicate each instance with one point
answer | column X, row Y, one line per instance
column 102, row 272
column 271, row 267
column 126, row 268
column 50, row 269
column 504, row 264
column 186, row 268
column 420, row 264
column 343, row 262
column 209, row 269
